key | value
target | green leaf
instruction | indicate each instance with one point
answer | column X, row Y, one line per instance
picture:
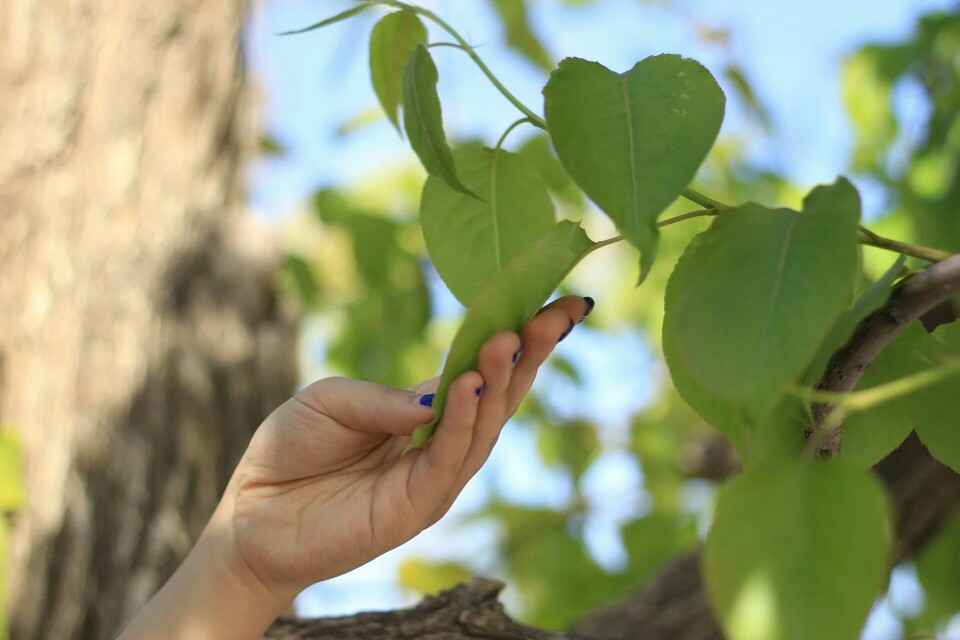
column 754, row 296
column 938, row 569
column 520, row 38
column 633, row 141
column 343, row 15
column 507, row 302
column 471, row 240
column 868, row 436
column 4, row 568
column 797, row 551
column 654, row 539
column 12, row 493
column 423, row 119
column 569, row 445
column 392, row 42
column 429, row 578
column 936, row 409
column 843, row 329
column 537, row 151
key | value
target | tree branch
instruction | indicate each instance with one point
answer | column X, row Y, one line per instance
column 910, row 300
column 466, row 611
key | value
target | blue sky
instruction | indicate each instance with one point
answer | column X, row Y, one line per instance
column 791, row 50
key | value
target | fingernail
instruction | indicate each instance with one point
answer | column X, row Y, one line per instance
column 590, row 303
column 479, row 390
column 427, row 399
column 516, row 356
column 566, row 333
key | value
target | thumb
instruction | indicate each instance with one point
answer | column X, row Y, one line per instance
column 368, row 407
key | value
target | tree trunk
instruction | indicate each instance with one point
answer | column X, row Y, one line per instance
column 140, row 341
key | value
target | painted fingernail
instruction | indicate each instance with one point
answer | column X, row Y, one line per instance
column 427, row 399
column 590, row 303
column 479, row 390
column 516, row 356
column 566, row 333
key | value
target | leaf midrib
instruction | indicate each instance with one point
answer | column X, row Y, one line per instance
column 493, row 210
column 633, row 162
column 420, row 119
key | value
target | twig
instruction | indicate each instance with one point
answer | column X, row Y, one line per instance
column 912, row 298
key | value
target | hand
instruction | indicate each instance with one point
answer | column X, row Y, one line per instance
column 323, row 487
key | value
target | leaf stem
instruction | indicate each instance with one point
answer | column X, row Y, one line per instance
column 871, row 239
column 704, row 201
column 509, row 129
column 535, row 120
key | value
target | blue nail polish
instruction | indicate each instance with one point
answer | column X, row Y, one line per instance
column 479, row 390
column 516, row 356
column 566, row 333
column 427, row 399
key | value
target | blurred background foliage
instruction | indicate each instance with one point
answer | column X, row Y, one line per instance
column 12, row 498
column 613, row 487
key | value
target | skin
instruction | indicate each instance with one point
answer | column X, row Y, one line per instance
column 323, row 488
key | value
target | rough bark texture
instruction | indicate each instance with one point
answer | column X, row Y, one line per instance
column 140, row 341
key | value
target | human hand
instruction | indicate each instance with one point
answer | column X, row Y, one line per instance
column 324, row 488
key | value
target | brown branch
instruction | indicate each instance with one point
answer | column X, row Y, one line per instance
column 910, row 300
column 468, row 611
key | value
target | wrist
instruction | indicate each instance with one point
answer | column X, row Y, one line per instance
column 213, row 595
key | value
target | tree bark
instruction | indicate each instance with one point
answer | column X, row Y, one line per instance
column 141, row 342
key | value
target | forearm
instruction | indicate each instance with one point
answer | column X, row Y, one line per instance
column 210, row 597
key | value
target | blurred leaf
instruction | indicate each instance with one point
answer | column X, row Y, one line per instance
column 471, row 240
column 633, row 141
column 12, row 493
column 938, row 569
column 791, row 543
column 269, row 146
column 738, row 80
column 392, row 43
column 513, row 14
column 507, row 302
column 653, row 540
column 867, row 96
column 559, row 580
column 564, row 366
column 936, row 409
column 430, row 578
column 299, row 274
column 343, row 15
column 423, row 119
column 753, row 297
column 538, row 153
column 571, row 445
column 358, row 121
column 4, row 569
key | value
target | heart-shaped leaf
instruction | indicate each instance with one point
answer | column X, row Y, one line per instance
column 507, row 302
column 392, row 42
column 755, row 295
column 797, row 551
column 470, row 240
column 633, row 141
column 423, row 119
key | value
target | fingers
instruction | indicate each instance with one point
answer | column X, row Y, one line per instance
column 438, row 464
column 539, row 338
column 499, row 362
column 366, row 406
